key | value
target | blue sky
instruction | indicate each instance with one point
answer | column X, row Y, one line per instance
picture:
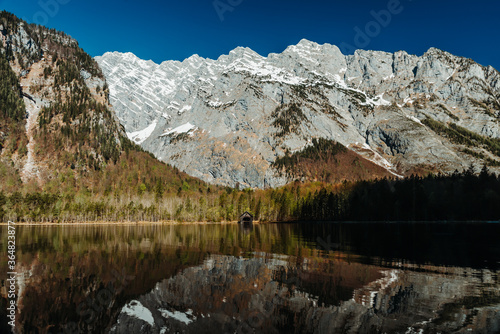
column 162, row 29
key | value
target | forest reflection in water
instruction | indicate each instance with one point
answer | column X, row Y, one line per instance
column 270, row 278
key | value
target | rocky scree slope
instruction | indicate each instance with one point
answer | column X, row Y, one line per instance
column 227, row 120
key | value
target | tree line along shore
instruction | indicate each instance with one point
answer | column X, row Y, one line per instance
column 458, row 197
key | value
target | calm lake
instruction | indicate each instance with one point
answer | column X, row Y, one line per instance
column 270, row 278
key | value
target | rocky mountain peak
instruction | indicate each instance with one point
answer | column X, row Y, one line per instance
column 433, row 50
column 243, row 52
column 304, row 46
column 194, row 61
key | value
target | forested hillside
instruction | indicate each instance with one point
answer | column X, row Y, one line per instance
column 328, row 161
column 13, row 138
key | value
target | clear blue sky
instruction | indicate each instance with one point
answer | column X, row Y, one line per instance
column 163, row 29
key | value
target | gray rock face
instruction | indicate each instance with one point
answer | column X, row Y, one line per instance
column 21, row 41
column 227, row 120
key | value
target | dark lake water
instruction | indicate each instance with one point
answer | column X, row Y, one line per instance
column 271, row 278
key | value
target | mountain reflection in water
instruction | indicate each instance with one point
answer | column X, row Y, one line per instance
column 273, row 278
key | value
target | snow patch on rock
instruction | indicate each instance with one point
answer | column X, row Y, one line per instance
column 140, row 136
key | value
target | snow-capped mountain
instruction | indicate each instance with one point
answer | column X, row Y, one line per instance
column 227, row 120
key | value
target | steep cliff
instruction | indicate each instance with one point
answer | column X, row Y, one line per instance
column 227, row 120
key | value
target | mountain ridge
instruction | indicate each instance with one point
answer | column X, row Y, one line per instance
column 373, row 102
column 303, row 41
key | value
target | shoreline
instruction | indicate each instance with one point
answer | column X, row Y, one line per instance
column 123, row 223
column 173, row 222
